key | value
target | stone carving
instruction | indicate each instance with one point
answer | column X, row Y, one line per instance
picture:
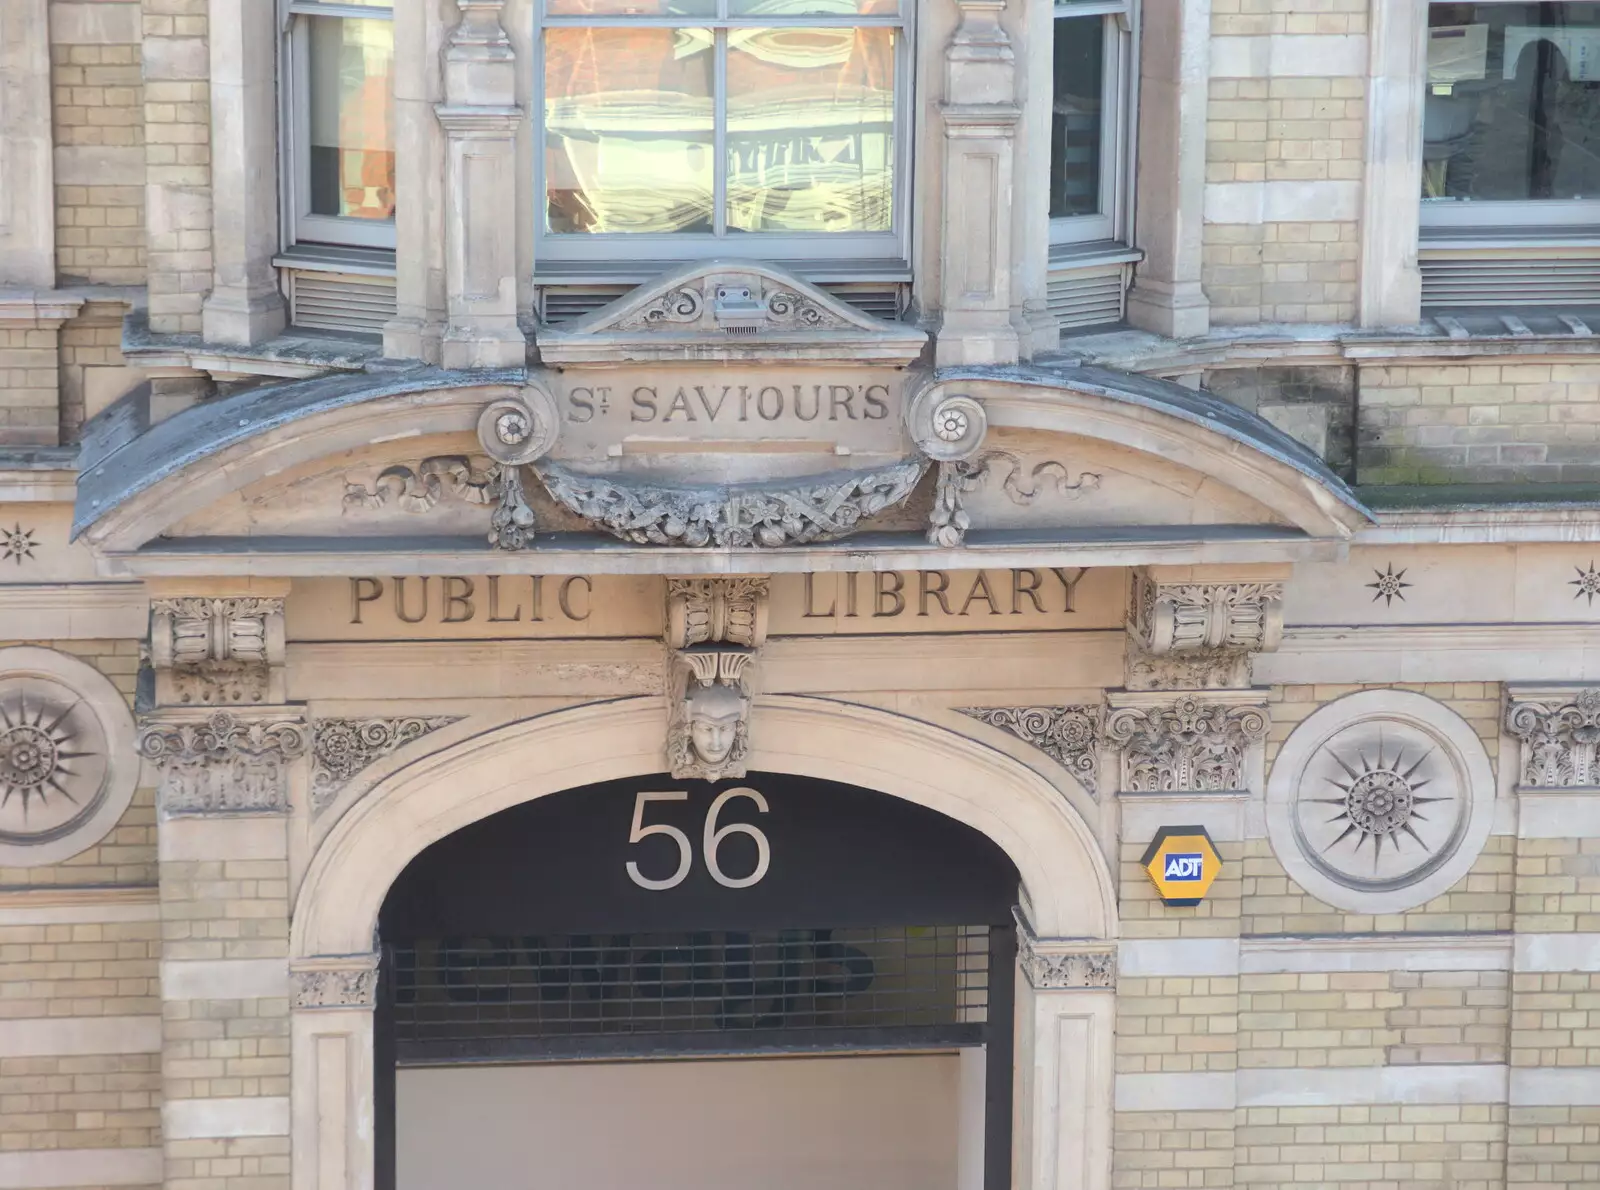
column 517, row 430
column 796, row 512
column 1188, row 745
column 681, row 306
column 335, row 987
column 1206, row 669
column 1070, row 735
column 1560, row 736
column 1182, row 617
column 209, row 651
column 222, row 763
column 788, row 308
column 53, row 759
column 717, row 610
column 17, row 544
column 420, row 488
column 512, row 523
column 1380, row 801
column 1049, row 966
column 341, row 748
column 708, row 733
column 1587, row 582
column 1388, row 585
column 949, row 521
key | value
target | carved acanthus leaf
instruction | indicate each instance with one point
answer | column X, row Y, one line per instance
column 1070, row 735
column 1060, row 964
column 350, row 982
column 341, row 748
column 1188, row 745
column 1204, row 669
column 216, row 651
column 1185, row 617
column 797, row 512
column 717, row 611
column 1560, row 738
column 223, row 763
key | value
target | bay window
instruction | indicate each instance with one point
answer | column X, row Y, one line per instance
column 671, row 130
column 1088, row 121
column 1511, row 117
column 339, row 123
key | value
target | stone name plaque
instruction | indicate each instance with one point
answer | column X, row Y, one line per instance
column 499, row 607
column 613, row 413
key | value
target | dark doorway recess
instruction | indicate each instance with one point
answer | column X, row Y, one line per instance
column 660, row 918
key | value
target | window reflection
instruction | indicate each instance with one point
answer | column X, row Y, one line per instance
column 810, row 129
column 351, row 64
column 1077, row 117
column 1513, row 102
column 630, row 139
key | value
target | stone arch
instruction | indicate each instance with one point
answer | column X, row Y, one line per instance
column 1067, row 886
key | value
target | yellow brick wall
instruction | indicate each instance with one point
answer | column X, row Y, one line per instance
column 29, row 397
column 1244, row 18
column 1388, row 1147
column 99, row 101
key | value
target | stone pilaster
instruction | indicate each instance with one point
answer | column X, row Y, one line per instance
column 245, row 306
column 1066, row 1003
column 333, row 999
column 980, row 118
column 1174, row 92
column 480, row 117
column 1555, row 980
column 27, row 163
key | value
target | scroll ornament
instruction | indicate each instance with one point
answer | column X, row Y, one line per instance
column 1187, row 746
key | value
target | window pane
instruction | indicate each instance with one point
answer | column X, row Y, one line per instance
column 1512, row 108
column 629, row 142
column 810, row 129
column 1077, row 116
column 352, row 103
column 812, row 8
column 631, row 8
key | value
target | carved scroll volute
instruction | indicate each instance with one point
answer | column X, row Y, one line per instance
column 712, row 610
column 209, row 651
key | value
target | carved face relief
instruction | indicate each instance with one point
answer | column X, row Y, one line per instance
column 715, row 715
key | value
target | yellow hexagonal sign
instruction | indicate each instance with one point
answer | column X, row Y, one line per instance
column 1181, row 862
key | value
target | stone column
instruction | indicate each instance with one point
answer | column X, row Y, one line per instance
column 1554, row 1110
column 1391, row 283
column 27, row 161
column 1174, row 86
column 480, row 117
column 980, row 117
column 226, row 761
column 333, row 999
column 1066, row 1002
column 418, row 325
column 245, row 306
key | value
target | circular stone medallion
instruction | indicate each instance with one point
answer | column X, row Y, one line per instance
column 1380, row 801
column 67, row 767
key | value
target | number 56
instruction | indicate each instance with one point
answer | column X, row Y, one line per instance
column 711, row 839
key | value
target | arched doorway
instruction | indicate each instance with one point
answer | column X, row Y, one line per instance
column 778, row 977
column 1062, row 1113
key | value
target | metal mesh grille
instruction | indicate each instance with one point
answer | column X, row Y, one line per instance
column 725, row 984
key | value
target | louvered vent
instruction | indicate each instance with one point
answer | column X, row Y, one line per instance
column 1507, row 283
column 340, row 301
column 563, row 303
column 1088, row 297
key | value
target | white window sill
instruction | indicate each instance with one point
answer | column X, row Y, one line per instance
column 330, row 258
column 1092, row 255
column 1508, row 238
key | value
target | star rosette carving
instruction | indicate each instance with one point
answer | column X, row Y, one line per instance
column 52, row 760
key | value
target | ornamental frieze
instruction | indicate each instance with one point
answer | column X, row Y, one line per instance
column 1069, row 735
column 341, row 748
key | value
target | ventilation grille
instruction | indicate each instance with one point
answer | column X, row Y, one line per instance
column 564, row 303
column 1464, row 282
column 341, row 301
column 1088, row 297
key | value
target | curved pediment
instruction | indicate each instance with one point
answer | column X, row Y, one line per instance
column 355, row 472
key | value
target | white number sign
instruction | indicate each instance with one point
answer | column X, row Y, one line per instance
column 711, row 840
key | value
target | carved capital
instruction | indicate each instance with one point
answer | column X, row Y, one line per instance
column 1559, row 730
column 1061, row 964
column 341, row 748
column 717, row 611
column 1188, row 745
column 217, row 652
column 222, row 762
column 1199, row 635
column 342, row 981
column 1069, row 735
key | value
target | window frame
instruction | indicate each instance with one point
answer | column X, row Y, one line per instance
column 1119, row 28
column 1513, row 219
column 886, row 255
column 301, row 228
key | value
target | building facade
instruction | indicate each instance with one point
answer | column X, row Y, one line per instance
column 958, row 595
